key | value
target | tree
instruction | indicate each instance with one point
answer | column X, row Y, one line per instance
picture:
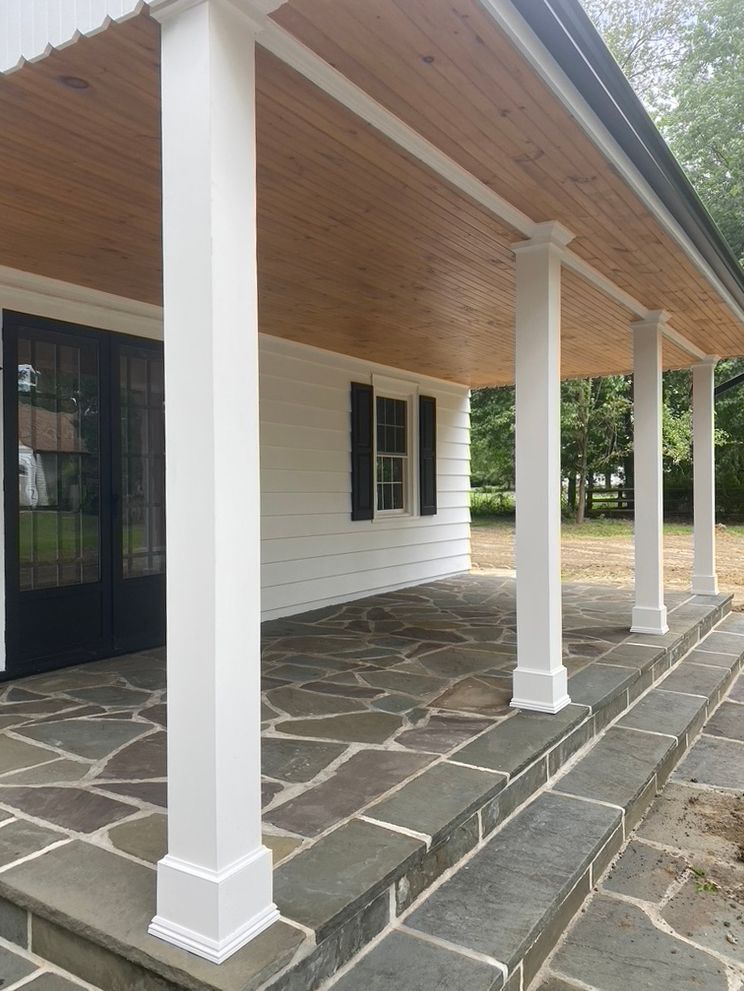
column 685, row 59
column 649, row 40
column 704, row 122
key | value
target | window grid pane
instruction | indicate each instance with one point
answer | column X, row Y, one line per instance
column 58, row 464
column 143, row 463
column 392, row 453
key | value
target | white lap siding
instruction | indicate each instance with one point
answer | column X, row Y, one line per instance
column 312, row 553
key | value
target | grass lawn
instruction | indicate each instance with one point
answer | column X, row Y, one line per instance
column 602, row 551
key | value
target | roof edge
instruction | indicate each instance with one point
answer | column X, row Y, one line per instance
column 566, row 31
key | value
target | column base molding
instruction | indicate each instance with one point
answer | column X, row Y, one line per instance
column 650, row 619
column 540, row 691
column 705, row 584
column 213, row 913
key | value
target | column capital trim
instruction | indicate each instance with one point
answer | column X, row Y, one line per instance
column 707, row 360
column 550, row 233
column 654, row 320
column 256, row 11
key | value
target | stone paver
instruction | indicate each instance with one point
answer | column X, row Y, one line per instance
column 405, row 962
column 364, row 777
column 360, row 699
column 645, row 872
column 697, row 821
column 515, row 880
column 695, row 679
column 618, row 769
column 91, row 738
column 615, row 946
column 440, row 798
column 660, row 712
column 718, row 762
column 323, row 885
column 13, row 967
column 728, row 721
column 22, row 838
column 74, row 808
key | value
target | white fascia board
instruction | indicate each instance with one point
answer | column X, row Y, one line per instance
column 292, row 52
column 525, row 41
column 27, row 292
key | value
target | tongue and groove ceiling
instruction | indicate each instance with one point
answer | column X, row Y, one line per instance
column 362, row 249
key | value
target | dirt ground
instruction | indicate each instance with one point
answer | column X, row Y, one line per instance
column 602, row 551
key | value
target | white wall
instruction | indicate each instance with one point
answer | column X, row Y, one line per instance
column 312, row 553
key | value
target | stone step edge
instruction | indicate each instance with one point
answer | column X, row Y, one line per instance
column 537, row 784
column 320, row 961
column 562, row 912
column 531, row 974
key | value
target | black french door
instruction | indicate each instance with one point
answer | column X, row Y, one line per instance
column 84, row 446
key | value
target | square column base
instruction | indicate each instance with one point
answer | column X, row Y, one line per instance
column 705, row 584
column 213, row 913
column 651, row 620
column 540, row 691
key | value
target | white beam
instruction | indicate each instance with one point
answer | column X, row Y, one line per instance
column 540, row 679
column 214, row 884
column 649, row 612
column 674, row 337
column 704, row 578
column 525, row 40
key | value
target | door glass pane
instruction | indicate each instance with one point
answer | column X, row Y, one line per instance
column 143, row 462
column 59, row 467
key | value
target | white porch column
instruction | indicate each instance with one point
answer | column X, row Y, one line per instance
column 214, row 884
column 704, row 578
column 649, row 612
column 540, row 679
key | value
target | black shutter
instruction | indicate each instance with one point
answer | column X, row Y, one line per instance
column 362, row 452
column 428, row 455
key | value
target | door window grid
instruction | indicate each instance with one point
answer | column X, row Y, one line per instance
column 391, row 453
column 58, row 464
column 143, row 463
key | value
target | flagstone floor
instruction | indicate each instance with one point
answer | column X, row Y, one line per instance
column 357, row 699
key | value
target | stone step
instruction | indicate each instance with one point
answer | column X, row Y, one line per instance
column 87, row 910
column 507, row 906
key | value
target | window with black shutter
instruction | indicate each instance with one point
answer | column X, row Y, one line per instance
column 383, row 453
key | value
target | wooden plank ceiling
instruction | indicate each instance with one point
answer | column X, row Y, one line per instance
column 362, row 249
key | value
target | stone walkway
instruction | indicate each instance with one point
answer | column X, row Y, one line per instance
column 357, row 699
column 390, row 753
column 670, row 913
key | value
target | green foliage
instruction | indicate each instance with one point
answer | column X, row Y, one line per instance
column 484, row 503
column 703, row 123
column 685, row 59
column 492, row 437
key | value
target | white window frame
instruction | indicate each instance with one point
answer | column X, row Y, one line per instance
column 389, row 387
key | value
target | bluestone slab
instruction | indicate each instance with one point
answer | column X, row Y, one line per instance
column 499, row 901
column 695, row 679
column 343, row 871
column 618, row 945
column 665, row 712
column 518, row 741
column 405, row 962
column 714, row 762
column 618, row 768
column 439, row 799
